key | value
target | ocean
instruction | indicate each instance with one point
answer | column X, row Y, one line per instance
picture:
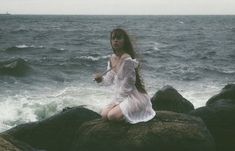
column 47, row 62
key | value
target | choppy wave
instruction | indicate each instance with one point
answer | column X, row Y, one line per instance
column 20, row 30
column 217, row 70
column 233, row 29
column 14, row 67
column 187, row 56
column 23, row 47
column 28, row 107
column 157, row 45
column 92, row 58
column 57, row 50
column 183, row 73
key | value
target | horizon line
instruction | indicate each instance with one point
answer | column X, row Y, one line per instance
column 120, row 14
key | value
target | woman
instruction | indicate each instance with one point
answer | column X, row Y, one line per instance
column 131, row 101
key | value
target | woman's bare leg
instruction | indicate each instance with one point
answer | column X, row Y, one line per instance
column 115, row 114
column 105, row 111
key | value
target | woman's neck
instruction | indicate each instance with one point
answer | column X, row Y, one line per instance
column 122, row 55
column 118, row 61
column 119, row 53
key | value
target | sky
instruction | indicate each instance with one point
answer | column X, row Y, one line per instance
column 119, row 7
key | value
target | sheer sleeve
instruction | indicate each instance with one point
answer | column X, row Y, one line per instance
column 127, row 78
column 109, row 76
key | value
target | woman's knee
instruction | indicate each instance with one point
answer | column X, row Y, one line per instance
column 104, row 116
column 111, row 116
column 114, row 116
column 104, row 113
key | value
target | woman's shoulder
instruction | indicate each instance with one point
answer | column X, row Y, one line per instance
column 112, row 55
column 130, row 62
column 112, row 58
column 125, row 56
column 115, row 58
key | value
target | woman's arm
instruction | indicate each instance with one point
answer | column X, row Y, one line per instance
column 107, row 78
column 127, row 78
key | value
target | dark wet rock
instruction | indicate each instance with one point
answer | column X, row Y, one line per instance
column 170, row 100
column 168, row 131
column 228, row 93
column 55, row 133
column 219, row 116
column 5, row 145
column 79, row 129
column 8, row 143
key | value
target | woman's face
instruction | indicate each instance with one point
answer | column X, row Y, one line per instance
column 117, row 41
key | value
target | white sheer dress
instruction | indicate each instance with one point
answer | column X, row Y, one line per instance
column 135, row 106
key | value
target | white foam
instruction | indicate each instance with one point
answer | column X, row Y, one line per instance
column 93, row 58
column 28, row 46
column 29, row 107
column 157, row 46
column 198, row 99
column 92, row 97
column 22, row 46
column 181, row 22
column 13, row 112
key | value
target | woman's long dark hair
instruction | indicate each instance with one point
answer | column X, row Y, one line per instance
column 128, row 48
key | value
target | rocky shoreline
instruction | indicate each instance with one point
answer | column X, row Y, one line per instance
column 176, row 127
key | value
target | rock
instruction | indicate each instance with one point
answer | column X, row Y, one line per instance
column 219, row 117
column 228, row 93
column 55, row 133
column 168, row 131
column 8, row 143
column 170, row 100
column 7, row 146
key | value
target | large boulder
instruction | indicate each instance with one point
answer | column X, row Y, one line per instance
column 228, row 93
column 8, row 143
column 170, row 100
column 219, row 116
column 55, row 133
column 5, row 145
column 168, row 131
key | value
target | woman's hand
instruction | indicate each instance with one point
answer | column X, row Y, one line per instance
column 98, row 77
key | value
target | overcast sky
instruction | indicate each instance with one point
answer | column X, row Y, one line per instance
column 119, row 7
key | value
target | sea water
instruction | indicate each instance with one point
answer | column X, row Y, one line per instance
column 47, row 62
